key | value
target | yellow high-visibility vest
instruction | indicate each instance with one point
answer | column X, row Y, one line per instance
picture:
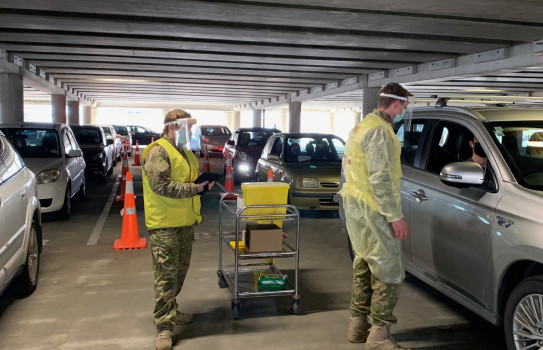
column 162, row 212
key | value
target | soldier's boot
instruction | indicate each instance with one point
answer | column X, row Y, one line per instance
column 380, row 339
column 359, row 328
column 164, row 340
column 182, row 318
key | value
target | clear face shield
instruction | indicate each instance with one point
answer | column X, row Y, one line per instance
column 183, row 131
column 407, row 111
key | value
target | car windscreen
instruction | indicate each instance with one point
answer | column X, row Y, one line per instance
column 106, row 130
column 314, row 148
column 254, row 138
column 34, row 142
column 121, row 130
column 521, row 144
column 87, row 136
column 214, row 131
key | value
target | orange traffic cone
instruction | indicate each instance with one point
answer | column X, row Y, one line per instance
column 270, row 175
column 123, row 176
column 130, row 234
column 229, row 181
column 206, row 161
column 137, row 156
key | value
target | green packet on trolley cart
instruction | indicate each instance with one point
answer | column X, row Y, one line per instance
column 272, row 280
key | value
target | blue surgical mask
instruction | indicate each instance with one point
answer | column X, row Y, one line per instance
column 399, row 117
column 181, row 137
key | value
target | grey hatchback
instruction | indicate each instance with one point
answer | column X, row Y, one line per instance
column 476, row 233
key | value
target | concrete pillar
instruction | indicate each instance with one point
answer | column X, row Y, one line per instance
column 11, row 98
column 235, row 119
column 257, row 117
column 357, row 117
column 58, row 104
column 94, row 113
column 73, row 112
column 229, row 123
column 283, row 114
column 86, row 115
column 370, row 97
column 332, row 121
column 294, row 113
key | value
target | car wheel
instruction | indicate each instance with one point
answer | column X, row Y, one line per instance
column 114, row 159
column 26, row 283
column 110, row 170
column 65, row 212
column 523, row 310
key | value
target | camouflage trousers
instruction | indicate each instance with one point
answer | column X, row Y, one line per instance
column 171, row 249
column 371, row 297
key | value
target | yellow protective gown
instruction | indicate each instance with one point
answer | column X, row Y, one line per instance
column 371, row 195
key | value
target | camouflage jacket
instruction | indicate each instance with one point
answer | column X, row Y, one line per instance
column 156, row 164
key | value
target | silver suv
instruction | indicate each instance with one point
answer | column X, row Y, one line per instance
column 476, row 233
column 20, row 224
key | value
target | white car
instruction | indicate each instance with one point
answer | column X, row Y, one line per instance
column 20, row 222
column 51, row 151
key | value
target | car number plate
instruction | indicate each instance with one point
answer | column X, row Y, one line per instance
column 335, row 198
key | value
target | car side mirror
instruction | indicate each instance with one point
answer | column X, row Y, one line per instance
column 73, row 153
column 230, row 142
column 110, row 141
column 273, row 157
column 462, row 174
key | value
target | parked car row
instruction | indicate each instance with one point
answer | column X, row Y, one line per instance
column 309, row 162
column 43, row 166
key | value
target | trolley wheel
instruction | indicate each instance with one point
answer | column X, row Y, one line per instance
column 221, row 280
column 235, row 310
column 296, row 306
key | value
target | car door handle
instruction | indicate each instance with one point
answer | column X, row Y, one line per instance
column 23, row 194
column 419, row 195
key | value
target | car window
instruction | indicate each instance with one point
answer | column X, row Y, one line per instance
column 521, row 144
column 277, row 147
column 213, row 131
column 314, row 148
column 141, row 130
column 107, row 131
column 88, row 136
column 11, row 160
column 449, row 143
column 34, row 142
column 4, row 173
column 411, row 139
column 66, row 141
column 71, row 137
column 121, row 130
column 254, row 138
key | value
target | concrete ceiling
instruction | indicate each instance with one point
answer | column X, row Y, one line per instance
column 258, row 54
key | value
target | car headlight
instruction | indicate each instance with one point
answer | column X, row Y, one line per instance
column 47, row 176
column 244, row 156
column 97, row 156
column 308, row 182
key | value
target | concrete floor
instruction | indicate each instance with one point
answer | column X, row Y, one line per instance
column 93, row 297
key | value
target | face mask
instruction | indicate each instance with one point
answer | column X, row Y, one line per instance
column 181, row 137
column 479, row 150
column 398, row 117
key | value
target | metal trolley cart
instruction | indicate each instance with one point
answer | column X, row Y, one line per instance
column 241, row 277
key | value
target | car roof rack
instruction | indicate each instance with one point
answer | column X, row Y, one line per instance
column 497, row 101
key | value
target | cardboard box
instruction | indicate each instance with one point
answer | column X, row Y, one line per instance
column 263, row 238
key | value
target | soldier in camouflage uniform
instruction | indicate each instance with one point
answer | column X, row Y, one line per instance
column 172, row 209
column 373, row 214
